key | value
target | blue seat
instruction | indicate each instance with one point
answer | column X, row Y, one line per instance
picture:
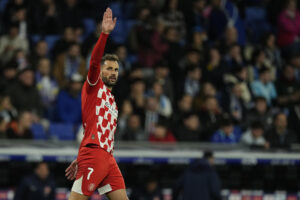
column 118, row 34
column 35, row 38
column 129, row 9
column 51, row 40
column 3, row 5
column 61, row 131
column 255, row 13
column 256, row 23
column 38, row 132
column 116, row 8
column 89, row 26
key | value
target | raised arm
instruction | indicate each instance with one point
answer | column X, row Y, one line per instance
column 108, row 25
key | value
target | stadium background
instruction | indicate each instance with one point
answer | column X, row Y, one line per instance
column 189, row 71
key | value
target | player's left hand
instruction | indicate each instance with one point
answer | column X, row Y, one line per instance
column 108, row 22
column 71, row 171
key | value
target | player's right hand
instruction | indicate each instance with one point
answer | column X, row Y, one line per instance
column 71, row 171
column 108, row 22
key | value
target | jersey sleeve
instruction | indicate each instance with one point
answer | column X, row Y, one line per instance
column 94, row 69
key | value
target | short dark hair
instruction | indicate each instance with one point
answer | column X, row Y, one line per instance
column 111, row 57
column 257, row 125
column 260, row 98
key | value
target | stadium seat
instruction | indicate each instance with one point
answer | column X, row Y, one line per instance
column 51, row 40
column 118, row 34
column 129, row 10
column 61, row 131
column 256, row 23
column 89, row 27
column 117, row 9
column 35, row 38
column 3, row 5
column 38, row 132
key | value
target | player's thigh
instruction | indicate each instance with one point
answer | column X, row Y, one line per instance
column 117, row 195
column 77, row 196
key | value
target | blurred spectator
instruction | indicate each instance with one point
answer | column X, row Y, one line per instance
column 68, row 103
column 11, row 42
column 70, row 14
column 192, row 57
column 68, row 64
column 207, row 90
column 233, row 57
column 199, row 181
column 3, row 128
column 40, row 51
column 272, row 52
column 164, row 104
column 21, row 129
column 24, row 94
column 137, row 96
column 7, row 110
column 288, row 88
column 172, row 17
column 46, row 85
column 19, row 16
column 230, row 39
column 199, row 41
column 234, row 104
column 39, row 186
column 11, row 8
column 62, row 45
column 8, row 76
column 254, row 136
column 264, row 86
column 124, row 65
column 21, row 58
column 294, row 119
column 126, row 112
column 175, row 49
column 259, row 61
column 140, row 34
column 260, row 112
column 194, row 17
column 44, row 18
column 184, row 106
column 214, row 68
column 192, row 81
column 158, row 46
column 279, row 136
column 228, row 132
column 217, row 20
column 210, row 115
column 134, row 131
column 150, row 191
column 161, row 75
column 239, row 75
column 288, row 24
column 161, row 133
column 189, row 130
column 151, row 114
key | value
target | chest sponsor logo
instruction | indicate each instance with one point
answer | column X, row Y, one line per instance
column 111, row 110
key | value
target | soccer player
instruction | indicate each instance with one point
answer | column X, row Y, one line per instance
column 95, row 166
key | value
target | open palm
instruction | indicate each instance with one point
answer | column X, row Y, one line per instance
column 108, row 22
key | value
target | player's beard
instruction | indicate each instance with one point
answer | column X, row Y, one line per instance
column 108, row 82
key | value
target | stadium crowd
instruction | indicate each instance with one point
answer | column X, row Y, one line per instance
column 215, row 71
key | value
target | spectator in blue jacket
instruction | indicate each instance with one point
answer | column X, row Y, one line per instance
column 68, row 105
column 228, row 133
column 199, row 181
column 264, row 86
column 38, row 186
